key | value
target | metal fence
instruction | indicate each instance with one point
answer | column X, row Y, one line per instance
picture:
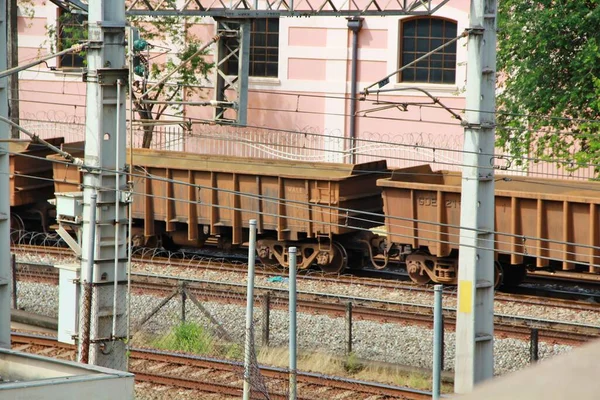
column 442, row 151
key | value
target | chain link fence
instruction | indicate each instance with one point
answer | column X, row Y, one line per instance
column 183, row 319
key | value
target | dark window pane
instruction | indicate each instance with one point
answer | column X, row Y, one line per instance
column 409, row 28
column 436, row 56
column 449, row 62
column 423, row 64
column 450, row 29
column 408, row 45
column 408, row 75
column 260, row 25
column 423, row 45
column 437, row 28
column 451, row 48
column 406, row 58
column 422, row 75
column 260, row 39
column 449, row 76
column 436, row 64
column 259, row 69
column 259, row 53
column 435, row 43
column 435, row 76
column 271, row 69
column 423, row 27
column 272, row 40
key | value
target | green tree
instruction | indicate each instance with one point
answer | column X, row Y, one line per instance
column 178, row 45
column 182, row 85
column 549, row 75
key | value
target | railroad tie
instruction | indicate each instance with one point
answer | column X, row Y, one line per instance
column 178, row 371
column 344, row 395
column 22, row 347
column 157, row 366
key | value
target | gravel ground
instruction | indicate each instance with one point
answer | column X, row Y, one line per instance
column 391, row 343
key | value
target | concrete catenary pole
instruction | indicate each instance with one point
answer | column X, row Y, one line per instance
column 475, row 309
column 249, row 311
column 5, row 278
column 292, row 310
column 105, row 152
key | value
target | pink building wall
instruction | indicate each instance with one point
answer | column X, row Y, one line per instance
column 310, row 94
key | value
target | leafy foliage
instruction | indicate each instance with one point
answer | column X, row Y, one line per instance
column 183, row 84
column 178, row 44
column 189, row 337
column 549, row 63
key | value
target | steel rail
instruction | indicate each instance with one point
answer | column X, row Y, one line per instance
column 383, row 311
column 337, row 383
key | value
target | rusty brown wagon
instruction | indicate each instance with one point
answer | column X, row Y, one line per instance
column 538, row 223
column 30, row 182
column 193, row 197
column 304, row 204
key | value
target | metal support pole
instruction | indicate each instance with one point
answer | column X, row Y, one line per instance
column 266, row 316
column 442, row 366
column 12, row 34
column 292, row 309
column 5, row 279
column 183, row 299
column 475, row 310
column 348, row 328
column 355, row 25
column 249, row 309
column 438, row 332
column 104, row 155
column 86, row 286
column 534, row 346
column 14, row 282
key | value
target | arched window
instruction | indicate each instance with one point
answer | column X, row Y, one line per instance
column 419, row 36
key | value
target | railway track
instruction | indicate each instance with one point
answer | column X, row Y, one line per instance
column 535, row 296
column 336, row 305
column 208, row 375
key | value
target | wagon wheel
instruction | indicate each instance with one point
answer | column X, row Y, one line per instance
column 264, row 253
column 498, row 274
column 339, row 261
column 417, row 273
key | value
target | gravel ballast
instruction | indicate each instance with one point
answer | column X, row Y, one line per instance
column 386, row 342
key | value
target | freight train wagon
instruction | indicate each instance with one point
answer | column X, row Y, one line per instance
column 539, row 223
column 189, row 198
column 30, row 184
